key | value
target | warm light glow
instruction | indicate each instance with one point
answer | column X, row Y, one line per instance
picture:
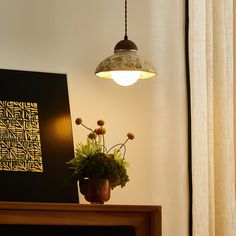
column 125, row 78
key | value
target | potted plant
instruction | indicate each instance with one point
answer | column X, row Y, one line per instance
column 97, row 168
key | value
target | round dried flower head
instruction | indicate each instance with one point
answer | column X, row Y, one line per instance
column 103, row 130
column 78, row 121
column 130, row 136
column 100, row 122
column 96, row 131
column 92, row 135
column 100, row 130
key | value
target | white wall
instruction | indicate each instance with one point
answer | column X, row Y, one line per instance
column 72, row 37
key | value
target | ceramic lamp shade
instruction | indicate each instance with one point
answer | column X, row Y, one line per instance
column 126, row 61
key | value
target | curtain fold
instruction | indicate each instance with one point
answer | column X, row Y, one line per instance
column 212, row 77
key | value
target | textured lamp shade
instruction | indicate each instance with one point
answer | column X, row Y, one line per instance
column 125, row 66
column 123, row 61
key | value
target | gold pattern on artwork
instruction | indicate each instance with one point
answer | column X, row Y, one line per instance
column 20, row 145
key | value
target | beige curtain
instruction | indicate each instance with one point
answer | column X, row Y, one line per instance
column 212, row 51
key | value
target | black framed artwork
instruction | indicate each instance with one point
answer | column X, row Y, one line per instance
column 35, row 138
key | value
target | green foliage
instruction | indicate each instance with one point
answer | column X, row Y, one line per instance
column 90, row 161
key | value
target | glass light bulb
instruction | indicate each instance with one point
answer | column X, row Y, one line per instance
column 125, row 78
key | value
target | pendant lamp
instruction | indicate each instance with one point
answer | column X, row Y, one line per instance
column 125, row 66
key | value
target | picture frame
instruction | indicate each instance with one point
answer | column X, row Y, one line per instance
column 35, row 138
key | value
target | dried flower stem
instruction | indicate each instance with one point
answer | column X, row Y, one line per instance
column 123, row 144
column 90, row 130
column 103, row 141
column 87, row 127
column 104, row 149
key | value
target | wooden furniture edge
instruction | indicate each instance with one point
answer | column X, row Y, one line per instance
column 76, row 206
column 140, row 216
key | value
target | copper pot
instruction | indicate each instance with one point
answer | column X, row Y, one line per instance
column 96, row 191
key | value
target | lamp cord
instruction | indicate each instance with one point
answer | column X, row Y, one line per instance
column 126, row 36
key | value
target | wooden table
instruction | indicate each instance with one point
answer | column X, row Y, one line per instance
column 146, row 220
